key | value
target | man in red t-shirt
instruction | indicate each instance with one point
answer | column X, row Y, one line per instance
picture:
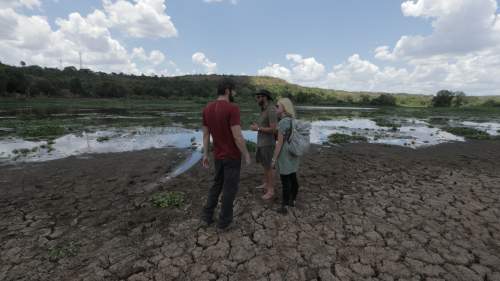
column 221, row 120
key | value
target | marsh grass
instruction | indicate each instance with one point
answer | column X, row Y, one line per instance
column 468, row 133
column 42, row 132
column 385, row 122
column 343, row 138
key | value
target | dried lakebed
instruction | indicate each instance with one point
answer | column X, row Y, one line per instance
column 365, row 212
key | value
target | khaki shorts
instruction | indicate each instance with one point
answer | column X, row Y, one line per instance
column 264, row 155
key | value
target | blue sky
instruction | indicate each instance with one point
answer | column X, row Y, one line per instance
column 416, row 46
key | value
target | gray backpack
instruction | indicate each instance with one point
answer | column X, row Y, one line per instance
column 299, row 141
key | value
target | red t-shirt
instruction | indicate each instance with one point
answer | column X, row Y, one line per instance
column 219, row 116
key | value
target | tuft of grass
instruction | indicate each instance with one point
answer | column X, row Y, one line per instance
column 67, row 250
column 103, row 139
column 343, row 138
column 168, row 199
column 468, row 133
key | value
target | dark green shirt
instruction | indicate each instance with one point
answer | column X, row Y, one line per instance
column 267, row 117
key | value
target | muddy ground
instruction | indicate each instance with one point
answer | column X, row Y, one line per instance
column 365, row 212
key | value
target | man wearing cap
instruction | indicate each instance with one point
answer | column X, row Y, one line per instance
column 221, row 121
column 266, row 128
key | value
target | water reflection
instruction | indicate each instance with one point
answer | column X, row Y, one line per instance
column 412, row 133
column 490, row 127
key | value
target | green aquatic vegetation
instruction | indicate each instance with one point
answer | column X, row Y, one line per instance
column 468, row 133
column 44, row 131
column 343, row 138
column 168, row 199
column 103, row 139
column 21, row 151
column 384, row 122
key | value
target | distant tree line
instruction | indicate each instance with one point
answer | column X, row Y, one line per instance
column 35, row 81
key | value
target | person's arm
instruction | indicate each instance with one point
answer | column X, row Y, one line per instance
column 206, row 143
column 277, row 149
column 240, row 142
column 273, row 123
column 268, row 130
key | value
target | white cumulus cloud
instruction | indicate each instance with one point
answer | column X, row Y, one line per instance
column 461, row 53
column 459, row 27
column 33, row 40
column 199, row 58
column 142, row 18
column 20, row 3
column 275, row 70
column 305, row 69
column 155, row 57
column 301, row 70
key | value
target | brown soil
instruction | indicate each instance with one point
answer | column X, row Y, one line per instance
column 365, row 212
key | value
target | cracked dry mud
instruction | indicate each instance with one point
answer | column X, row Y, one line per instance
column 365, row 212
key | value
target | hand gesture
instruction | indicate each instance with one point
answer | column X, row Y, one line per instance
column 205, row 162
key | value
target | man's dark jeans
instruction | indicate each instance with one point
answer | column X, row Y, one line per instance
column 227, row 179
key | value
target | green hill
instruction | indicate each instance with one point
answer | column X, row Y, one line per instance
column 35, row 81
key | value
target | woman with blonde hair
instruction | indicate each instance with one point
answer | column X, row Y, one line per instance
column 286, row 163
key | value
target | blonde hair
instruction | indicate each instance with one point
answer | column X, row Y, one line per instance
column 288, row 107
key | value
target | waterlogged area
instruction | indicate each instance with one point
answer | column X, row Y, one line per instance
column 409, row 132
column 35, row 134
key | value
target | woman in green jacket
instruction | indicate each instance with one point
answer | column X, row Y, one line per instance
column 286, row 163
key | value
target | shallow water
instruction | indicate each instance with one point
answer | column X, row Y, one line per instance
column 333, row 108
column 102, row 141
column 412, row 133
column 491, row 128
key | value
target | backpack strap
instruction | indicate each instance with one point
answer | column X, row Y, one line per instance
column 290, row 131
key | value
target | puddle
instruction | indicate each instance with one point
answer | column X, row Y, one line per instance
column 491, row 128
column 412, row 133
column 106, row 141
column 109, row 141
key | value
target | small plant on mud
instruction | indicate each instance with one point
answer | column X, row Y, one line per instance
column 343, row 138
column 64, row 251
column 168, row 199
column 469, row 133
